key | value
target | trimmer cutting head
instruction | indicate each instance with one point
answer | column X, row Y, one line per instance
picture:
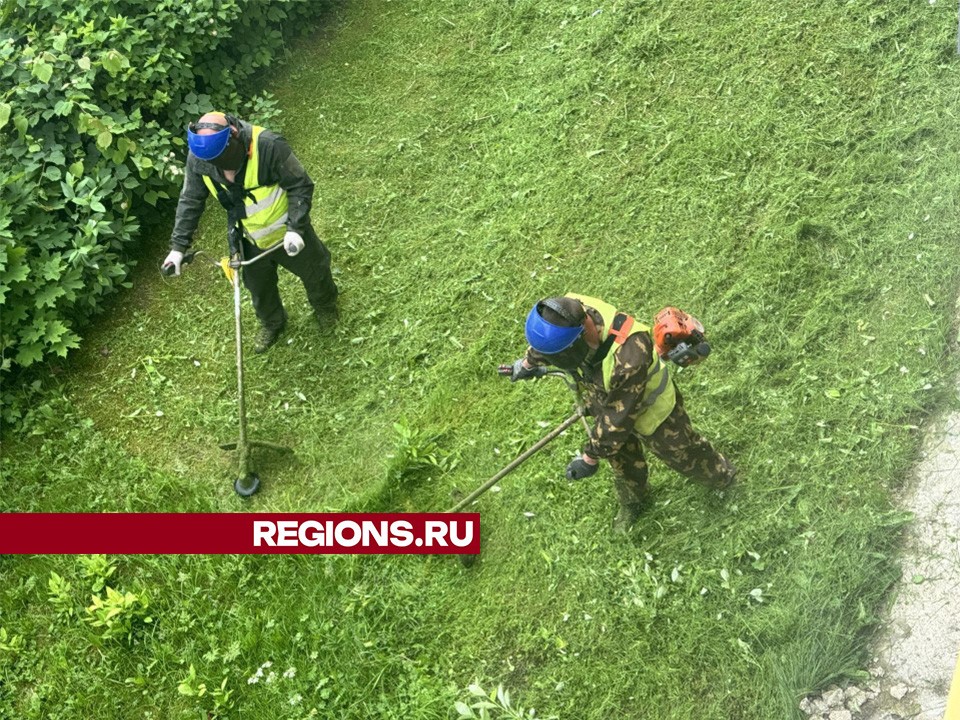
column 247, row 485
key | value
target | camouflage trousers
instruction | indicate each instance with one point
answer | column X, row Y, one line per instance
column 678, row 445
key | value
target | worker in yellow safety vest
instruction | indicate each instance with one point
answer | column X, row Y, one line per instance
column 268, row 196
column 628, row 389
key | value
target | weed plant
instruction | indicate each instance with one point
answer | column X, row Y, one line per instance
column 784, row 171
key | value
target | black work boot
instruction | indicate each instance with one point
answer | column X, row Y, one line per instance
column 326, row 315
column 626, row 518
column 267, row 338
column 727, row 479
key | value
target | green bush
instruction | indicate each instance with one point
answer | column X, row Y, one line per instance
column 92, row 105
column 118, row 614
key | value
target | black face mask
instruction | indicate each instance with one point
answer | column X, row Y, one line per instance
column 571, row 358
column 232, row 156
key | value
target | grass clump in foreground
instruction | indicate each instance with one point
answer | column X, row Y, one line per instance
column 788, row 180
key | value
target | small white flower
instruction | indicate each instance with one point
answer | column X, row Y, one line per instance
column 271, row 677
column 903, row 369
column 295, row 699
column 290, row 672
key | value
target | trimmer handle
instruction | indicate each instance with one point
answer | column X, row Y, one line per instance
column 685, row 354
column 169, row 269
column 535, row 372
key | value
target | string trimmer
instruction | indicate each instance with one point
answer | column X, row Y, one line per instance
column 461, row 501
column 504, row 370
column 248, row 481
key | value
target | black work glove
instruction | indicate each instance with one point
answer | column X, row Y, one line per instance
column 519, row 372
column 580, row 468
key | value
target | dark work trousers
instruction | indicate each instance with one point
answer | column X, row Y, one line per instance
column 311, row 265
column 679, row 446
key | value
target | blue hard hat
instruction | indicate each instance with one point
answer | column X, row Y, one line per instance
column 547, row 338
column 207, row 147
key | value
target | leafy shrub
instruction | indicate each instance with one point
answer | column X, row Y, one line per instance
column 216, row 703
column 97, row 569
column 118, row 614
column 93, row 97
column 416, row 453
column 483, row 705
column 10, row 643
column 60, row 595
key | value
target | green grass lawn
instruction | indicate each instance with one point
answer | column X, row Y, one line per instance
column 784, row 171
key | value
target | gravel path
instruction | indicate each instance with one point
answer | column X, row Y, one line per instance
column 916, row 651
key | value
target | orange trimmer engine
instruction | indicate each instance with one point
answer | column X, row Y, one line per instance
column 679, row 337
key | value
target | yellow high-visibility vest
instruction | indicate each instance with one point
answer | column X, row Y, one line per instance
column 659, row 395
column 266, row 207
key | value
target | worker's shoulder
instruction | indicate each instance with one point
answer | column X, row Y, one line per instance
column 272, row 137
column 636, row 350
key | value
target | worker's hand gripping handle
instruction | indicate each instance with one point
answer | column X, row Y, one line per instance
column 516, row 371
column 168, row 268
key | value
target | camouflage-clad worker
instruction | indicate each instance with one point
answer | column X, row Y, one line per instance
column 629, row 392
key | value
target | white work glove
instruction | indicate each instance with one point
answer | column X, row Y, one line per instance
column 292, row 242
column 173, row 260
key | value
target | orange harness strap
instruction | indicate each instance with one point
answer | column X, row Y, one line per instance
column 620, row 328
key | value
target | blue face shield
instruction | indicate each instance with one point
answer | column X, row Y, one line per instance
column 207, row 147
column 547, row 338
